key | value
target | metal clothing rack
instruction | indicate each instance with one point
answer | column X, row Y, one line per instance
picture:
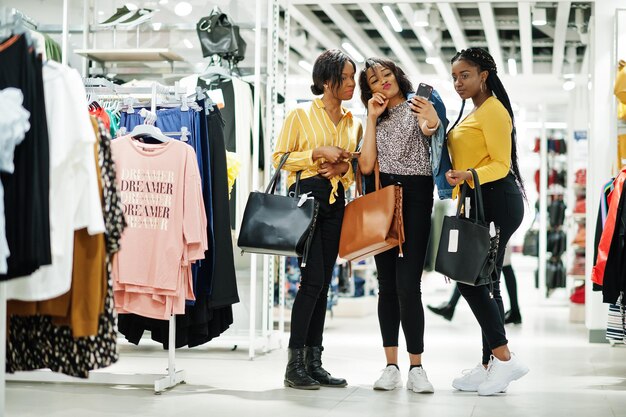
column 161, row 382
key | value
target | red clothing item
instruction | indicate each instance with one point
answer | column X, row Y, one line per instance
column 101, row 114
column 597, row 275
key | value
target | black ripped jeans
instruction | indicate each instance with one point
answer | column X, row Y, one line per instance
column 505, row 207
column 399, row 279
column 309, row 308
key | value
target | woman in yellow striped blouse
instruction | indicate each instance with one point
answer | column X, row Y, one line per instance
column 320, row 139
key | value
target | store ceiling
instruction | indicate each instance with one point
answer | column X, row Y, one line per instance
column 504, row 28
column 542, row 54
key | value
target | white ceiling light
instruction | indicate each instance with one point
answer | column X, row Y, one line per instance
column 420, row 18
column 306, row 65
column 539, row 16
column 131, row 6
column 157, row 26
column 393, row 19
column 569, row 85
column 183, row 9
column 188, row 43
column 100, row 12
column 351, row 50
column 512, row 66
column 162, row 1
column 432, row 60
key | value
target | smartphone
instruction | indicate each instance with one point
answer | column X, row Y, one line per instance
column 424, row 90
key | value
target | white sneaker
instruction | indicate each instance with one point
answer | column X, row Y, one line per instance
column 500, row 374
column 418, row 381
column 471, row 379
column 389, row 380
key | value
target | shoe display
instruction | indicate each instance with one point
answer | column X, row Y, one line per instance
column 418, row 381
column 140, row 16
column 389, row 380
column 471, row 379
column 512, row 317
column 121, row 14
column 500, row 374
column 445, row 311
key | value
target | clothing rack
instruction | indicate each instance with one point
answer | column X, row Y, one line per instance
column 161, row 382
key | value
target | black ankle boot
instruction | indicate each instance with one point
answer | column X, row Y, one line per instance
column 512, row 317
column 315, row 370
column 446, row 311
column 296, row 375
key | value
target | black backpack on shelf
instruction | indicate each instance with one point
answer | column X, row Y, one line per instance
column 219, row 36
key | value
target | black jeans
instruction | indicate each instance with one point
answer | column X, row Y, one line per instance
column 505, row 207
column 309, row 308
column 399, row 279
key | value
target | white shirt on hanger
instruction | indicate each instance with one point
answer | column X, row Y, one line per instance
column 74, row 194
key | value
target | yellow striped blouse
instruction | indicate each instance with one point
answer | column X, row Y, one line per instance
column 306, row 129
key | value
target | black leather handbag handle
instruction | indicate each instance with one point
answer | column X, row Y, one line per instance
column 271, row 187
column 479, row 214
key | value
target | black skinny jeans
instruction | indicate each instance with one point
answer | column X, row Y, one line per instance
column 309, row 308
column 505, row 207
column 399, row 279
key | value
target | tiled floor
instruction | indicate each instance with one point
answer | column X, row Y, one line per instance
column 569, row 377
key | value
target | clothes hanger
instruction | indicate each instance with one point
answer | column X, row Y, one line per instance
column 154, row 132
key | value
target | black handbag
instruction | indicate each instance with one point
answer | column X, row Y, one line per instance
column 277, row 224
column 557, row 242
column 555, row 274
column 556, row 213
column 531, row 243
column 468, row 249
column 530, row 247
column 218, row 36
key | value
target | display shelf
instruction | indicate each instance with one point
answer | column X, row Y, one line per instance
column 130, row 55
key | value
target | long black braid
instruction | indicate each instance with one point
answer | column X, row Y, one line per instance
column 482, row 59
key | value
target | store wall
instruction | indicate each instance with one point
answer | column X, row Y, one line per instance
column 602, row 141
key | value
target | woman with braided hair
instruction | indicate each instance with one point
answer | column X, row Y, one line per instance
column 485, row 140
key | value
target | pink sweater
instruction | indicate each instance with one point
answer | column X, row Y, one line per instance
column 161, row 194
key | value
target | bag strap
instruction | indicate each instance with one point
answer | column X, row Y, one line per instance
column 479, row 212
column 271, row 187
column 478, row 193
column 359, row 178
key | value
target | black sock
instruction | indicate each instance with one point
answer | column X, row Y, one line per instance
column 393, row 364
column 414, row 366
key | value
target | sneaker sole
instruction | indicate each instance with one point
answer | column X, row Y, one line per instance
column 399, row 385
column 515, row 378
column 302, row 387
column 423, row 391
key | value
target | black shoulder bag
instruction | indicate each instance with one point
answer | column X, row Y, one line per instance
column 277, row 224
column 467, row 251
column 218, row 36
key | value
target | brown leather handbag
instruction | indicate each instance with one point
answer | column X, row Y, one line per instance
column 373, row 222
